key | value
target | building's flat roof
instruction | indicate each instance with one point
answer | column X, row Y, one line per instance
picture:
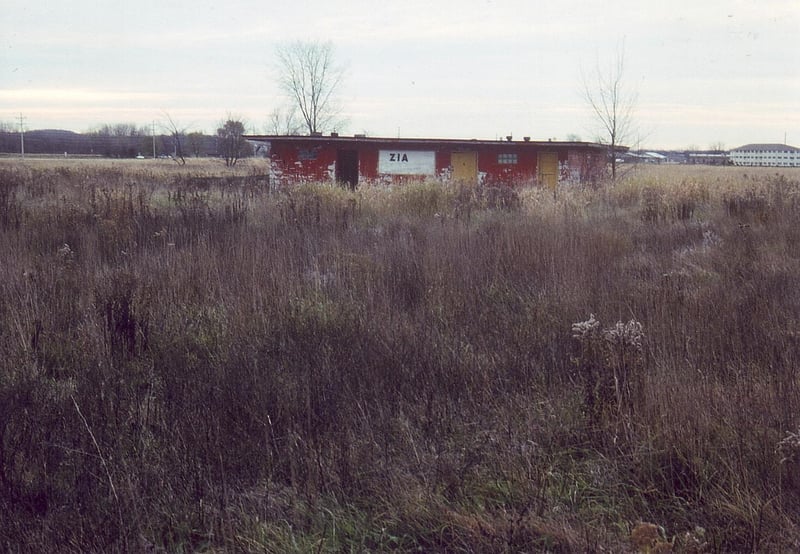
column 767, row 148
column 419, row 141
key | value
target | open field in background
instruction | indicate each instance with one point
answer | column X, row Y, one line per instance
column 157, row 168
column 200, row 365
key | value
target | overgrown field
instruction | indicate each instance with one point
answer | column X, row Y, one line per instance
column 204, row 364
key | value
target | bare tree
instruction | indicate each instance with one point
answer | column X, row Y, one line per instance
column 612, row 104
column 309, row 75
column 232, row 144
column 283, row 121
column 177, row 136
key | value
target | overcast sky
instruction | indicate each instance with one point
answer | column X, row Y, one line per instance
column 705, row 71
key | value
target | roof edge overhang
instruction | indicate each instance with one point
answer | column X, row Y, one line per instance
column 328, row 139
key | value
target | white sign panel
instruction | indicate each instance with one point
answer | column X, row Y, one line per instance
column 406, row 162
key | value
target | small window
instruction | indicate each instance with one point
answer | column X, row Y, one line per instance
column 507, row 158
column 307, row 154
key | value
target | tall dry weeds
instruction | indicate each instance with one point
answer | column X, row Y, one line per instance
column 191, row 362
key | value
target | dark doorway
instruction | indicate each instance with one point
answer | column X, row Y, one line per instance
column 347, row 168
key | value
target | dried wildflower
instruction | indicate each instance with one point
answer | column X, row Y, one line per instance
column 789, row 447
column 610, row 364
column 710, row 239
column 692, row 542
column 584, row 330
column 647, row 537
column 65, row 252
column 625, row 334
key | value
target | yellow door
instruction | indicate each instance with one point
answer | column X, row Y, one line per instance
column 548, row 169
column 465, row 166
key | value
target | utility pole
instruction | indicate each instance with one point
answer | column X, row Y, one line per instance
column 22, row 134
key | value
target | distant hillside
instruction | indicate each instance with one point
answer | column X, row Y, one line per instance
column 59, row 141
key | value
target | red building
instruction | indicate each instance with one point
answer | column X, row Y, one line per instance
column 360, row 159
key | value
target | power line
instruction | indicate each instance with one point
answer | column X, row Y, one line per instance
column 22, row 134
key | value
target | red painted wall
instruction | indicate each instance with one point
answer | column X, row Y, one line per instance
column 313, row 159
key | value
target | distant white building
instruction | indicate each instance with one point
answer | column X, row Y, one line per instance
column 655, row 157
column 643, row 157
column 766, row 155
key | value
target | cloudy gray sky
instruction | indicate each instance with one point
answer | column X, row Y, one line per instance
column 705, row 71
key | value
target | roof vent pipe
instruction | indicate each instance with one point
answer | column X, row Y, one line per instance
column 526, row 139
column 508, row 138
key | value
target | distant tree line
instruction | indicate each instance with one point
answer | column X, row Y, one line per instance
column 121, row 140
column 307, row 73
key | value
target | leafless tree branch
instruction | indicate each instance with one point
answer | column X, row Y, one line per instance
column 310, row 77
column 612, row 104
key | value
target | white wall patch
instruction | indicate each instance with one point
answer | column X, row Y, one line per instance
column 406, row 162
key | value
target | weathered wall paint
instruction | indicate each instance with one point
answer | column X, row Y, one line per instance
column 499, row 163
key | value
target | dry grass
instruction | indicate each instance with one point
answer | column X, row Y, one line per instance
column 191, row 362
